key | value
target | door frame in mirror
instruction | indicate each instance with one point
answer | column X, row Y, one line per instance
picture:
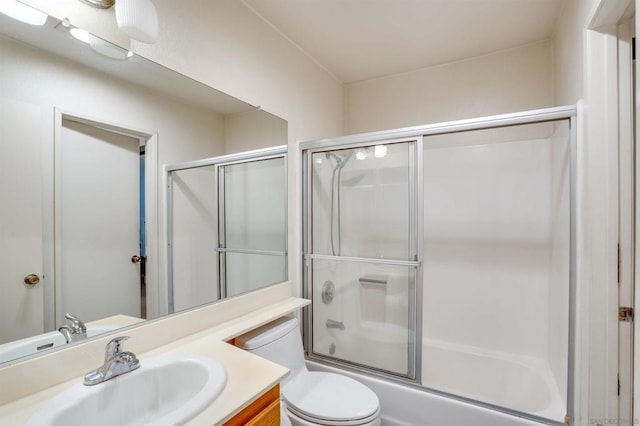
column 53, row 313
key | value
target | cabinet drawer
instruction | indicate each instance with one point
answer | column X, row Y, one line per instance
column 264, row 411
column 270, row 416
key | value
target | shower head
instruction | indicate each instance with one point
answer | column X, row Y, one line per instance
column 340, row 161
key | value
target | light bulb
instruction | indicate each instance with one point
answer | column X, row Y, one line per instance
column 380, row 151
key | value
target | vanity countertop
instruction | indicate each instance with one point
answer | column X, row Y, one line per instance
column 248, row 376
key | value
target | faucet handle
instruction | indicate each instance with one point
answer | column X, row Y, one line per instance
column 76, row 323
column 114, row 347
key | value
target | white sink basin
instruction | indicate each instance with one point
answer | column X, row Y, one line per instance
column 165, row 390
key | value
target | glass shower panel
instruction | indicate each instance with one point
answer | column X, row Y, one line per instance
column 361, row 313
column 194, row 232
column 253, row 222
column 255, row 205
column 246, row 271
column 360, row 201
column 497, row 253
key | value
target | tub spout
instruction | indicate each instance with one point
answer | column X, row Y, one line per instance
column 335, row 324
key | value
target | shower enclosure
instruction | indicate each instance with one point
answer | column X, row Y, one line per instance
column 226, row 226
column 442, row 257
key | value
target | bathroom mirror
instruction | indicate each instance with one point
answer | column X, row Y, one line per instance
column 85, row 130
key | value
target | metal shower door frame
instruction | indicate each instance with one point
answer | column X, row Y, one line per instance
column 556, row 114
column 414, row 320
column 222, row 248
column 216, row 162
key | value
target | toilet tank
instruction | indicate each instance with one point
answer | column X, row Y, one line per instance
column 278, row 341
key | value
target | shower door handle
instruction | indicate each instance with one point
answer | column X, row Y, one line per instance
column 334, row 324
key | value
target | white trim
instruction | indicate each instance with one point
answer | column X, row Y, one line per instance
column 52, row 266
column 152, row 231
column 240, row 157
column 601, row 222
column 607, row 12
column 626, row 224
column 493, row 121
column 601, row 211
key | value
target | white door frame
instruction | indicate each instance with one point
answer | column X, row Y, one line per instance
column 600, row 357
column 149, row 139
column 626, row 224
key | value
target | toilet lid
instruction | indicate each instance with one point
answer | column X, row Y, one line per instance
column 329, row 396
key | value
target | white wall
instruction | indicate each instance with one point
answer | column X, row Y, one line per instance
column 253, row 130
column 568, row 51
column 508, row 81
column 224, row 44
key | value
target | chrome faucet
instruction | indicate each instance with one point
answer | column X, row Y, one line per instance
column 76, row 330
column 116, row 362
column 335, row 324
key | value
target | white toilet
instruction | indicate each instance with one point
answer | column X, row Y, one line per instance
column 311, row 398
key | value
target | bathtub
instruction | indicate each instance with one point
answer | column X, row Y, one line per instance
column 491, row 377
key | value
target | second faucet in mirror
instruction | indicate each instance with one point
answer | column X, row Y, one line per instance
column 75, row 330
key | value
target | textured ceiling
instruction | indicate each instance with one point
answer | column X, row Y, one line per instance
column 363, row 39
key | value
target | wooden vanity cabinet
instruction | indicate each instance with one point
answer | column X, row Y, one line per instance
column 264, row 411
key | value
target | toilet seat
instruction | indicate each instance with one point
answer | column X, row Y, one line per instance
column 330, row 399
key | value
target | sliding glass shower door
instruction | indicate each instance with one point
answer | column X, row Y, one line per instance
column 226, row 226
column 447, row 259
column 362, row 254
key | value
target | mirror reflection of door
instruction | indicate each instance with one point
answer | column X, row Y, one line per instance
column 21, row 306
column 98, row 258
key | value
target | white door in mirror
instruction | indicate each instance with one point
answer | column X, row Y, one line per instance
column 165, row 390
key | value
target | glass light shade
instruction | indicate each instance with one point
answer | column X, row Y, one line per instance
column 22, row 12
column 138, row 19
column 109, row 50
column 80, row 34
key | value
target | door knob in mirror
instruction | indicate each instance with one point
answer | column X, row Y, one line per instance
column 31, row 279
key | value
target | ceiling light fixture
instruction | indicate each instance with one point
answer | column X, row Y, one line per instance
column 23, row 13
column 109, row 50
column 97, row 44
column 138, row 19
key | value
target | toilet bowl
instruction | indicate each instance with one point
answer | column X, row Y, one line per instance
column 311, row 398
